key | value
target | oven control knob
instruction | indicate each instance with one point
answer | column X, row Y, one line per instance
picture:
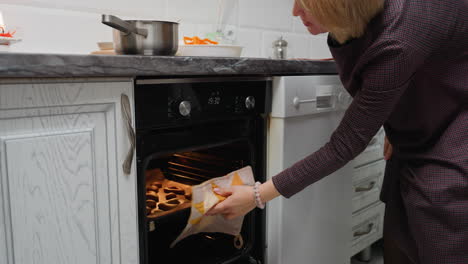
column 185, row 107
column 250, row 102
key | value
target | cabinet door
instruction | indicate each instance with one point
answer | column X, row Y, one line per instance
column 64, row 197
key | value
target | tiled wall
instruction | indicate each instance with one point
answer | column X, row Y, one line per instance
column 70, row 26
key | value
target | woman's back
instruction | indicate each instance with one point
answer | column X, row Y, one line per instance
column 413, row 61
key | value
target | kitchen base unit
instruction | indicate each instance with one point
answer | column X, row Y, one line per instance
column 313, row 226
column 64, row 195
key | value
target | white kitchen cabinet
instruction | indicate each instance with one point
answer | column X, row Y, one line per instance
column 367, row 227
column 373, row 152
column 64, row 197
column 367, row 184
column 368, row 210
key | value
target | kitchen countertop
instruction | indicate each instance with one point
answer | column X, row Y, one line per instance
column 30, row 65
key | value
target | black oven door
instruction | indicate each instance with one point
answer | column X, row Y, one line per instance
column 189, row 155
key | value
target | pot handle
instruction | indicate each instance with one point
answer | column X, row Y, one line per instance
column 123, row 26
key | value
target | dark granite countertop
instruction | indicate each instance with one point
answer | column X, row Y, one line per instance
column 29, row 65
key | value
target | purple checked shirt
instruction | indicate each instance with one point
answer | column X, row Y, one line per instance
column 409, row 73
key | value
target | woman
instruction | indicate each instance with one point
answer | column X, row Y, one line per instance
column 405, row 62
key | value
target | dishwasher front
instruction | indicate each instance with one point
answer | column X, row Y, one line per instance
column 314, row 226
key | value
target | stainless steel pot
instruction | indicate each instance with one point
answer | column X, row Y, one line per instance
column 143, row 37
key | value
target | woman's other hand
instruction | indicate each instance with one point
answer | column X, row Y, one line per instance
column 388, row 149
column 240, row 200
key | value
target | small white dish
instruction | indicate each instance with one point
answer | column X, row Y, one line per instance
column 105, row 45
column 210, row 50
column 8, row 41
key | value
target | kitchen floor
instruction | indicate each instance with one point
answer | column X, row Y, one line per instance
column 377, row 255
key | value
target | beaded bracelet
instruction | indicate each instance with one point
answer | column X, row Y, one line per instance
column 258, row 200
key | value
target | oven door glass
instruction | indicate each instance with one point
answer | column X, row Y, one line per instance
column 174, row 159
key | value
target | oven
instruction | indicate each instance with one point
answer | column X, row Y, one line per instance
column 190, row 130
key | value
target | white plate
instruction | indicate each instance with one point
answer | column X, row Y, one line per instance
column 8, row 41
column 210, row 50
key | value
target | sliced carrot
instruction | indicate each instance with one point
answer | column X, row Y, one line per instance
column 211, row 42
column 197, row 41
column 188, row 40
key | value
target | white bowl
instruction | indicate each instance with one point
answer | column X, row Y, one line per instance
column 210, row 50
column 8, row 41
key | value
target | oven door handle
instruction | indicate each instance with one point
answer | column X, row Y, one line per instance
column 127, row 116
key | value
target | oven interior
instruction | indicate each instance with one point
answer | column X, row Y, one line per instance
column 168, row 179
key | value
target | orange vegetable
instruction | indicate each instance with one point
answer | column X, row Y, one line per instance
column 8, row 34
column 197, row 41
column 211, row 42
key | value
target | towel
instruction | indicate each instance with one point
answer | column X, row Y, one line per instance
column 204, row 198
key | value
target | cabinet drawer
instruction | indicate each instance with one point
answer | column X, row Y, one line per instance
column 367, row 182
column 367, row 227
column 373, row 152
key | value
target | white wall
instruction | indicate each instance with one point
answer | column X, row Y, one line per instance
column 73, row 26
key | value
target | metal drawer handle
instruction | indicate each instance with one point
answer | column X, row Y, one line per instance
column 365, row 189
column 297, row 102
column 363, row 233
column 127, row 116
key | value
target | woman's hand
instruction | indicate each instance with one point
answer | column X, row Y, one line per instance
column 240, row 200
column 388, row 149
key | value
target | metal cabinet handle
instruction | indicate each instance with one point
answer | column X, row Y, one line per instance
column 127, row 116
column 365, row 189
column 363, row 233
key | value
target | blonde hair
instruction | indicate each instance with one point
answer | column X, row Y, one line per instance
column 344, row 19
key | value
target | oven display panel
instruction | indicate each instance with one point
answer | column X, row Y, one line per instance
column 165, row 103
column 214, row 98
